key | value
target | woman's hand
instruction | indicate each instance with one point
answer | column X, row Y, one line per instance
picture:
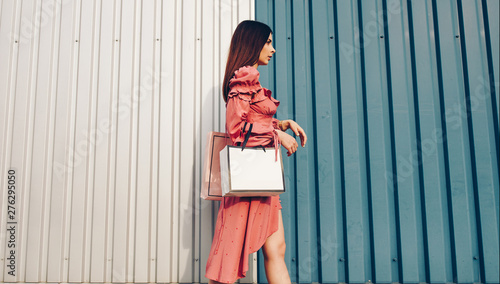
column 288, row 142
column 295, row 127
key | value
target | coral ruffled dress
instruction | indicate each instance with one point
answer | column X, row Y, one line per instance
column 244, row 223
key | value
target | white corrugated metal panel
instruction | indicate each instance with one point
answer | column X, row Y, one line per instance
column 105, row 107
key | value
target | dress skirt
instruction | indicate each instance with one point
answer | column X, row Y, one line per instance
column 243, row 225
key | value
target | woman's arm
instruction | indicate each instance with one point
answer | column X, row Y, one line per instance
column 288, row 142
column 295, row 127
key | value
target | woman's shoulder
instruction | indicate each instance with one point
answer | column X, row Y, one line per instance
column 246, row 72
column 245, row 81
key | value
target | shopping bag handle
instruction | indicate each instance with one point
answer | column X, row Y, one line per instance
column 247, row 136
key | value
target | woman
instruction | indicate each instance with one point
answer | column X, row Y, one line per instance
column 245, row 224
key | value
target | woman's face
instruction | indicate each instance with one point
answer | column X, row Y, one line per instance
column 267, row 51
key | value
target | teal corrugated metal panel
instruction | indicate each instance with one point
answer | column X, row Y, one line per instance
column 378, row 127
column 481, row 133
column 490, row 10
column 330, row 210
column 381, row 192
column 431, row 157
column 353, row 152
column 454, row 129
column 399, row 180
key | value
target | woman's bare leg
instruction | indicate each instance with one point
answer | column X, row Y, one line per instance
column 274, row 256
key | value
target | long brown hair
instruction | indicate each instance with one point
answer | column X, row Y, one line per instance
column 246, row 44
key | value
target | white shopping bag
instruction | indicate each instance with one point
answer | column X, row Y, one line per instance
column 251, row 172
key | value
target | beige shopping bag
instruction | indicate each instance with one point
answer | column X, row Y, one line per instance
column 211, row 180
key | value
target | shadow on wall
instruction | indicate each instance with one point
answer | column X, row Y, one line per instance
column 200, row 215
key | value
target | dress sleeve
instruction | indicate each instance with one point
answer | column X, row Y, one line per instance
column 276, row 123
column 237, row 109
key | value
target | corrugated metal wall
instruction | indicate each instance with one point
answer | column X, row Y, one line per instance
column 105, row 107
column 399, row 180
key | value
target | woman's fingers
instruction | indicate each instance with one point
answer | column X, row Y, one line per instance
column 291, row 145
column 289, row 142
column 299, row 132
column 302, row 134
column 303, row 138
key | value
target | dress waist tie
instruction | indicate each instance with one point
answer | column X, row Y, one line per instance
column 277, row 144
